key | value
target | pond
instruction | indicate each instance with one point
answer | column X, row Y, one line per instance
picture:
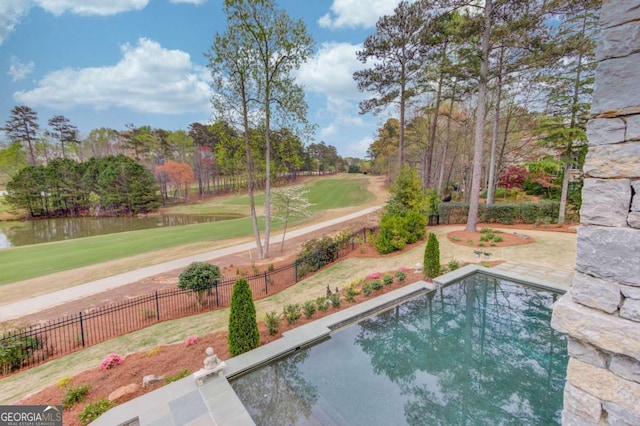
column 14, row 234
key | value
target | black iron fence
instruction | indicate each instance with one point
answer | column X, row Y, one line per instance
column 42, row 342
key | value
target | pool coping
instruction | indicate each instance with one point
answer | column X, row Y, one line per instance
column 223, row 405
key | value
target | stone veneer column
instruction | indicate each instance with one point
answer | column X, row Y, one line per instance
column 601, row 312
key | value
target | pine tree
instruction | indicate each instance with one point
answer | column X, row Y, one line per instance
column 243, row 327
column 432, row 257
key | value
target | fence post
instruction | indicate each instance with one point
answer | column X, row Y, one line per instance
column 295, row 267
column 266, row 288
column 217, row 298
column 157, row 307
column 364, row 234
column 81, row 329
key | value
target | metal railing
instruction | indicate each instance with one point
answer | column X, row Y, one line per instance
column 38, row 343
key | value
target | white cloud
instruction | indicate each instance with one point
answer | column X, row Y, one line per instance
column 91, row 7
column 356, row 13
column 331, row 70
column 19, row 70
column 330, row 130
column 148, row 78
column 11, row 11
column 196, row 2
column 359, row 148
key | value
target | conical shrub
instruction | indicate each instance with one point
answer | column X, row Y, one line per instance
column 431, row 263
column 243, row 326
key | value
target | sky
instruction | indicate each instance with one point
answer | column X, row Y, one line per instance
column 105, row 63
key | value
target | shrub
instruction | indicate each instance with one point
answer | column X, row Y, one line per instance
column 243, row 327
column 323, row 303
column 367, row 289
column 498, row 239
column 75, row 395
column 14, row 351
column 335, row 300
column 175, row 377
column 94, row 410
column 316, row 253
column 309, row 308
column 373, row 275
column 431, row 263
column 415, row 224
column 453, row 265
column 292, row 313
column 200, row 278
column 387, row 280
column 191, row 340
column 401, row 276
column 376, row 285
column 350, row 294
column 272, row 319
column 111, row 361
column 154, row 351
column 393, row 234
column 64, row 382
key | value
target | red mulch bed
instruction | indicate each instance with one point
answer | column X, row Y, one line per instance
column 168, row 360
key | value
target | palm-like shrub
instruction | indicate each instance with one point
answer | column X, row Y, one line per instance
column 243, row 327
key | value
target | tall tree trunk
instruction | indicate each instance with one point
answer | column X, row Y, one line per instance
column 491, row 189
column 568, row 151
column 472, row 219
column 434, row 123
column 446, row 140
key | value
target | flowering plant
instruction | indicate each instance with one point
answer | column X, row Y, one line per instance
column 110, row 362
column 191, row 340
column 373, row 275
column 404, row 269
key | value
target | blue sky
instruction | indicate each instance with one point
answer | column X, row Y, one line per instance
column 105, row 63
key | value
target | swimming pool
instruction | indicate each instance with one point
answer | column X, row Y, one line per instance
column 480, row 351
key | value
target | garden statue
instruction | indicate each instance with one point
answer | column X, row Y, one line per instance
column 212, row 364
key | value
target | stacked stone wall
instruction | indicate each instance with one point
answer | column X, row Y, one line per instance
column 601, row 313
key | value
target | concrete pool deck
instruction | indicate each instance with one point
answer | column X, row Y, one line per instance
column 215, row 402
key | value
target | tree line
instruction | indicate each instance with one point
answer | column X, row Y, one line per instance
column 479, row 87
column 111, row 185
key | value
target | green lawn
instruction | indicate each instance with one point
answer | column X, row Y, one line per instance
column 324, row 193
column 21, row 263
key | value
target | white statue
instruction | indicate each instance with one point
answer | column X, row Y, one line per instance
column 212, row 364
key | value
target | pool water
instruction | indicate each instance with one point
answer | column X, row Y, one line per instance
column 479, row 352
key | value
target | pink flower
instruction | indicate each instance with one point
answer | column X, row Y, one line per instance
column 374, row 275
column 191, row 340
column 110, row 362
column 404, row 269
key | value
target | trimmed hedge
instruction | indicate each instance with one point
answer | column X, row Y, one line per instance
column 507, row 213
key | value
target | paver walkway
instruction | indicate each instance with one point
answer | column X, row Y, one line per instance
column 561, row 277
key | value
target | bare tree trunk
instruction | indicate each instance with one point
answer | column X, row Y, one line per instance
column 491, row 187
column 474, row 201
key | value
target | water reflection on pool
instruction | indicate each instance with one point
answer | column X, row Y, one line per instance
column 480, row 352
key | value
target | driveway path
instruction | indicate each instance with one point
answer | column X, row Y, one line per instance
column 39, row 303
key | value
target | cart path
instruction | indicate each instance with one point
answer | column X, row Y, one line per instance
column 45, row 301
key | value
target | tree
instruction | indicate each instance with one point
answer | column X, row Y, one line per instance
column 290, row 202
column 406, row 192
column 12, row 159
column 256, row 56
column 243, row 326
column 431, row 265
column 200, row 278
column 513, row 177
column 63, row 131
column 22, row 126
column 137, row 139
column 179, row 175
column 570, row 83
column 397, row 52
